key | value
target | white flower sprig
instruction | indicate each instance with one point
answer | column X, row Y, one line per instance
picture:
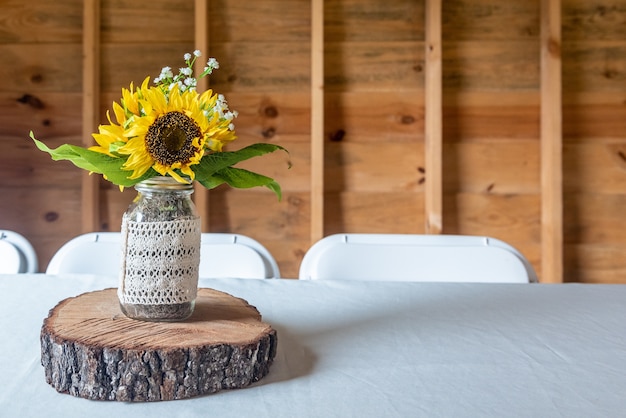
column 184, row 80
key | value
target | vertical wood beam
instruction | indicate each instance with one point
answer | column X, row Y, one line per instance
column 201, row 41
column 433, row 136
column 90, row 198
column 317, row 120
column 551, row 144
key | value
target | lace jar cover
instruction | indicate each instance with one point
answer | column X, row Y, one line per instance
column 161, row 262
column 160, row 252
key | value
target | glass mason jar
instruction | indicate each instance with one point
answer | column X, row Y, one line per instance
column 160, row 252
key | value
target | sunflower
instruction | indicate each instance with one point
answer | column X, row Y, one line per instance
column 168, row 131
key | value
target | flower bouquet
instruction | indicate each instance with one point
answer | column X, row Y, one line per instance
column 169, row 129
column 164, row 138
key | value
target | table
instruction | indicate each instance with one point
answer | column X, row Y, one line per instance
column 371, row 349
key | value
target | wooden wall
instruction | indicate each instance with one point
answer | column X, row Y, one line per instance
column 373, row 108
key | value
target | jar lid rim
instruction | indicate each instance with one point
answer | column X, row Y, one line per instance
column 164, row 182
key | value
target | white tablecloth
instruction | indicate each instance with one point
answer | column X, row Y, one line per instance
column 371, row 349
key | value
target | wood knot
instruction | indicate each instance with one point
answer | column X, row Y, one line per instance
column 270, row 111
column 294, row 200
column 36, row 78
column 337, row 136
column 418, row 68
column 422, row 179
column 51, row 216
column 554, row 48
column 32, row 101
column 407, row 119
column 269, row 132
column 232, row 78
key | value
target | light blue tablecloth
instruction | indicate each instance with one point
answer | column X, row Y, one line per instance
column 370, row 349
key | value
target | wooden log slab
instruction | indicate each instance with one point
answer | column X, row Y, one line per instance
column 91, row 350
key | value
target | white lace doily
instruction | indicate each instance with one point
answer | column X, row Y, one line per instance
column 160, row 262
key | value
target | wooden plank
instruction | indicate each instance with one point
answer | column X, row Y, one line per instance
column 272, row 21
column 433, row 137
column 397, row 116
column 594, row 121
column 594, row 65
column 40, row 68
column 595, row 166
column 41, row 21
column 120, row 65
column 489, row 20
column 389, row 212
column 503, row 167
column 23, row 166
column 202, row 42
column 594, row 218
column 514, row 218
column 91, row 110
column 317, row 120
column 373, row 20
column 595, row 263
column 374, row 66
column 489, row 122
column 551, row 144
column 584, row 20
column 53, row 117
column 496, row 65
column 147, row 21
column 368, row 167
column 257, row 213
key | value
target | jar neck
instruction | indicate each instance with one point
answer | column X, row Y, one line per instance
column 163, row 184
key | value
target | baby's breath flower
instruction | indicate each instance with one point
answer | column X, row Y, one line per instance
column 197, row 53
column 187, row 56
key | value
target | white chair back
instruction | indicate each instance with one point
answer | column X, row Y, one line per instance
column 17, row 255
column 408, row 257
column 221, row 255
column 235, row 255
column 92, row 253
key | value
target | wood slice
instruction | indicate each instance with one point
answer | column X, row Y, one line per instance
column 91, row 350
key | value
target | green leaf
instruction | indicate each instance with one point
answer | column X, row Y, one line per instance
column 94, row 162
column 216, row 169
column 244, row 179
column 212, row 163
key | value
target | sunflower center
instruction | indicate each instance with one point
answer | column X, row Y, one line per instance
column 170, row 138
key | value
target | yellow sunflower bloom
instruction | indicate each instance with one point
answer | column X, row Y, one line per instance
column 168, row 132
